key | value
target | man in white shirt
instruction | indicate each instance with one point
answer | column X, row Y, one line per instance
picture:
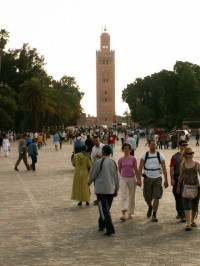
column 131, row 141
column 96, row 150
column 182, row 137
column 152, row 162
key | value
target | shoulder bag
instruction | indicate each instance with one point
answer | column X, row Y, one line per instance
column 190, row 191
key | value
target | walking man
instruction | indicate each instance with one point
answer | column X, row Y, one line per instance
column 152, row 162
column 174, row 174
column 131, row 141
column 96, row 154
column 106, row 182
column 22, row 149
column 33, row 152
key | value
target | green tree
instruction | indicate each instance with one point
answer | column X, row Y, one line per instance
column 67, row 97
column 35, row 100
column 8, row 107
column 188, row 91
column 4, row 35
column 30, row 64
column 165, row 98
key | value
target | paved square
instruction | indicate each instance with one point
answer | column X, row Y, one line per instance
column 40, row 225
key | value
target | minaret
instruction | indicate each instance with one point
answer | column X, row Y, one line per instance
column 105, row 81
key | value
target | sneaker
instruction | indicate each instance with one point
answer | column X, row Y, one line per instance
column 149, row 212
column 154, row 219
column 16, row 169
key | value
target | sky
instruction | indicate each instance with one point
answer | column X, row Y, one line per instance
column 147, row 36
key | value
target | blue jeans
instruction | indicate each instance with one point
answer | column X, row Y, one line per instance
column 104, row 204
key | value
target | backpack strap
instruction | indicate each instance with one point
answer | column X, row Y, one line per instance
column 114, row 164
column 158, row 155
column 101, row 164
column 146, row 157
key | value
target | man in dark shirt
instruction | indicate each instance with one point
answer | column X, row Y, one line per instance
column 174, row 174
column 22, row 150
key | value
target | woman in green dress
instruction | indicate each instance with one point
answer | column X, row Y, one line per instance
column 80, row 188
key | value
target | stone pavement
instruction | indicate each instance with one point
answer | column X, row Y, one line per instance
column 40, row 225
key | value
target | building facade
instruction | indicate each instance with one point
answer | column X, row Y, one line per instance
column 105, row 81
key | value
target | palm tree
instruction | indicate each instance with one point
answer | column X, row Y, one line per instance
column 35, row 99
column 4, row 35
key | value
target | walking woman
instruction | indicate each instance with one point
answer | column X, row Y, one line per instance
column 127, row 166
column 6, row 145
column 80, row 189
column 189, row 171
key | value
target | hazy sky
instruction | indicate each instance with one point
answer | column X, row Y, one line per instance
column 147, row 36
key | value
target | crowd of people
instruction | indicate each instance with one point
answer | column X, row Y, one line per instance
column 93, row 162
column 108, row 178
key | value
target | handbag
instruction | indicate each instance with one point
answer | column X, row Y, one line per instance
column 190, row 191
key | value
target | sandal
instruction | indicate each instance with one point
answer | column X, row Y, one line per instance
column 123, row 218
column 188, row 228
column 193, row 224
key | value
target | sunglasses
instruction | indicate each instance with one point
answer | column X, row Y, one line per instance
column 184, row 145
column 189, row 153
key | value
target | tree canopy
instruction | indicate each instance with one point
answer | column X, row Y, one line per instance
column 29, row 97
column 165, row 98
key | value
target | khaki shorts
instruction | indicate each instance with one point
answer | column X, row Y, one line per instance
column 152, row 188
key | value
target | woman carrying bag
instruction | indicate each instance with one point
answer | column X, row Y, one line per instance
column 189, row 172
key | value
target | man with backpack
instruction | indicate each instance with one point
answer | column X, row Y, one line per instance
column 152, row 162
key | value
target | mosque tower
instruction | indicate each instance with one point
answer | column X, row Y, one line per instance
column 105, row 81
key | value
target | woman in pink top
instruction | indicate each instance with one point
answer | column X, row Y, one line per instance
column 127, row 166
